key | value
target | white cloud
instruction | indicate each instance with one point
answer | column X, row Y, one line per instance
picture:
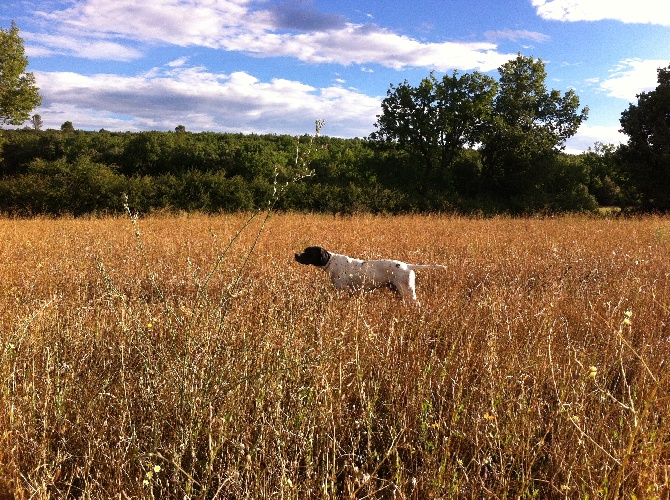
column 588, row 135
column 178, row 62
column 44, row 45
column 201, row 100
column 234, row 25
column 640, row 11
column 179, row 22
column 632, row 77
column 364, row 44
column 516, row 35
column 236, row 102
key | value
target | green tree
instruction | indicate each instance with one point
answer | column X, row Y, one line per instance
column 36, row 122
column 18, row 93
column 67, row 127
column 646, row 156
column 437, row 118
column 59, row 187
column 606, row 181
column 529, row 127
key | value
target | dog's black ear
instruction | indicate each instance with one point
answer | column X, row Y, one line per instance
column 324, row 256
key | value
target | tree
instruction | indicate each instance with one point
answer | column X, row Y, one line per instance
column 67, row 127
column 18, row 93
column 529, row 127
column 437, row 118
column 36, row 122
column 606, row 182
column 646, row 156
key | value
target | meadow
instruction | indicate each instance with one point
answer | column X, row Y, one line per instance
column 189, row 356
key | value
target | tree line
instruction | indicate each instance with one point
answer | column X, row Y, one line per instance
column 56, row 172
column 462, row 143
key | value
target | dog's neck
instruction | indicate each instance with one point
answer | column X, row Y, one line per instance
column 328, row 262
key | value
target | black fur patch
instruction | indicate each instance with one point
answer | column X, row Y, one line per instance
column 315, row 256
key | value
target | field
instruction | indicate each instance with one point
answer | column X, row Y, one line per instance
column 173, row 357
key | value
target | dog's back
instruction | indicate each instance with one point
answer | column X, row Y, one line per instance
column 348, row 273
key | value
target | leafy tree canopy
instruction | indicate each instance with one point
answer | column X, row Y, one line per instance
column 67, row 127
column 18, row 93
column 525, row 103
column 517, row 124
column 646, row 156
column 530, row 125
column 439, row 117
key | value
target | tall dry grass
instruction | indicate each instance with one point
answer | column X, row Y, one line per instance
column 167, row 365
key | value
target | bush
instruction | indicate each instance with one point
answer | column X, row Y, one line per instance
column 58, row 187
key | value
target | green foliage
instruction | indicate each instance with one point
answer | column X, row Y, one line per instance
column 437, row 118
column 462, row 143
column 67, row 127
column 18, row 93
column 36, row 122
column 518, row 126
column 607, row 182
column 566, row 186
column 646, row 157
column 58, row 187
column 529, row 126
column 57, row 172
column 467, row 170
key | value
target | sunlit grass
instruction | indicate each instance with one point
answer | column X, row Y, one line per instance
column 172, row 365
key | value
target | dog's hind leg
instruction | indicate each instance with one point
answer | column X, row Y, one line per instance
column 407, row 288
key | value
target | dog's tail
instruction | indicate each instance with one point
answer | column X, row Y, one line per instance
column 425, row 266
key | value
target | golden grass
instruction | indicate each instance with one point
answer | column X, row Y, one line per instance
column 135, row 367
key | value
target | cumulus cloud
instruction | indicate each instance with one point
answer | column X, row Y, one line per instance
column 633, row 76
column 200, row 100
column 163, row 98
column 369, row 44
column 294, row 29
column 177, row 22
column 588, row 135
column 640, row 11
column 178, row 93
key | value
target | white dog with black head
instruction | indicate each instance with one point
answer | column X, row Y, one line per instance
column 351, row 274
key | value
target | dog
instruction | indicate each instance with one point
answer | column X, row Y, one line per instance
column 351, row 274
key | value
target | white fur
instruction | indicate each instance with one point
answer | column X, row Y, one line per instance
column 348, row 273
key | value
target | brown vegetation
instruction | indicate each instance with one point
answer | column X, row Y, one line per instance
column 163, row 365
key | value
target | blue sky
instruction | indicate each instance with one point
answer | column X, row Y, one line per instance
column 276, row 66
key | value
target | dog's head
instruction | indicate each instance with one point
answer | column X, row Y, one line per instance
column 315, row 256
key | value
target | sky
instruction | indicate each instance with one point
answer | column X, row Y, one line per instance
column 277, row 66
